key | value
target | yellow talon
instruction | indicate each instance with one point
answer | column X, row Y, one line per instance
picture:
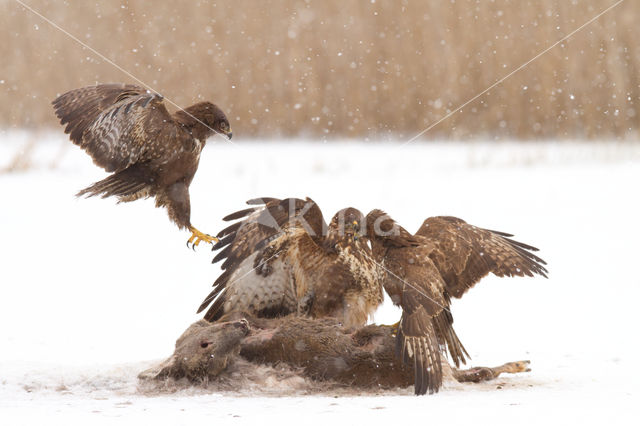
column 197, row 236
column 394, row 328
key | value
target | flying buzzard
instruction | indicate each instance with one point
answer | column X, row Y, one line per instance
column 282, row 258
column 445, row 258
column 128, row 131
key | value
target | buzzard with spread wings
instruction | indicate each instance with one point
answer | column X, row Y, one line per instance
column 445, row 258
column 282, row 258
column 128, row 131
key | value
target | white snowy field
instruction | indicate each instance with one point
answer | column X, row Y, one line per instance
column 93, row 292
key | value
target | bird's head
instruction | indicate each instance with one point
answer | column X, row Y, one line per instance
column 380, row 225
column 348, row 226
column 382, row 230
column 210, row 117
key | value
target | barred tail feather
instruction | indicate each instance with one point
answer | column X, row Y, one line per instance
column 443, row 324
column 421, row 350
column 125, row 185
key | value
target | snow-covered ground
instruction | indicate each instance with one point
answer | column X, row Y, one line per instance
column 93, row 292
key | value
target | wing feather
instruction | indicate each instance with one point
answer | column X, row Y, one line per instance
column 417, row 345
column 444, row 258
column 119, row 124
column 464, row 253
column 242, row 238
column 260, row 239
column 415, row 284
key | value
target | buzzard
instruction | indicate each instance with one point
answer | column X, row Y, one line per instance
column 283, row 259
column 128, row 131
column 445, row 258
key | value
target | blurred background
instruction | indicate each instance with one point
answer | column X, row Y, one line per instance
column 334, row 69
column 550, row 154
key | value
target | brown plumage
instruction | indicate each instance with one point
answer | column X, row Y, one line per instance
column 282, row 258
column 128, row 131
column 444, row 258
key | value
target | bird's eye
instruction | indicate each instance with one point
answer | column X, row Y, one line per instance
column 204, row 345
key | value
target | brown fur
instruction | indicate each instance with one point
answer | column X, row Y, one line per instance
column 202, row 352
column 308, row 354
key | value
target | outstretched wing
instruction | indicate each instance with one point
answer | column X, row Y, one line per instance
column 464, row 253
column 253, row 225
column 119, row 124
column 265, row 220
column 246, row 247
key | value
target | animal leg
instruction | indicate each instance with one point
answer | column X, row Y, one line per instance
column 482, row 374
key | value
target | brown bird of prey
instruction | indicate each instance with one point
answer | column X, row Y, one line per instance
column 445, row 258
column 282, row 258
column 128, row 131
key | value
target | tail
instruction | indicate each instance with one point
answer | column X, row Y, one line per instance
column 417, row 344
column 443, row 324
column 128, row 185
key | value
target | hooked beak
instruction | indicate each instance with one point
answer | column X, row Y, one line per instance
column 229, row 133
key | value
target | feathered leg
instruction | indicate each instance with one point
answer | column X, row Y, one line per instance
column 176, row 199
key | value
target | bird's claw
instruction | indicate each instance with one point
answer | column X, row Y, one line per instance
column 394, row 328
column 197, row 237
